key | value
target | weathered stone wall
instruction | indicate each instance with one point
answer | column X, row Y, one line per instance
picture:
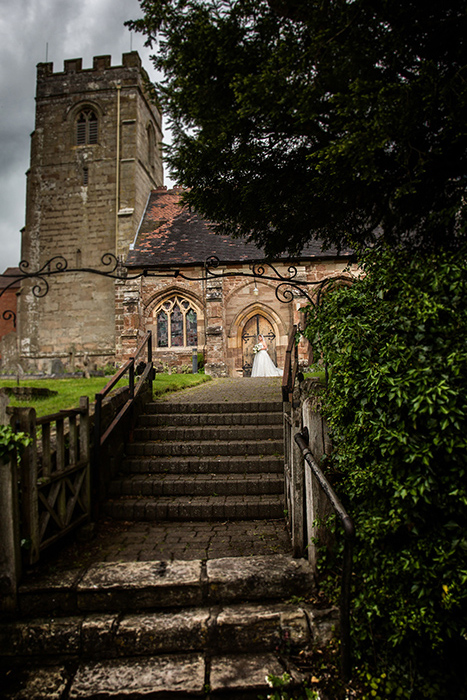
column 84, row 201
column 224, row 306
column 9, row 358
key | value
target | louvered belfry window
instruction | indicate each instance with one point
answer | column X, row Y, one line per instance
column 86, row 128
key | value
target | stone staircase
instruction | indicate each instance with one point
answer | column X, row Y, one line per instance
column 203, row 461
column 162, row 629
column 206, row 627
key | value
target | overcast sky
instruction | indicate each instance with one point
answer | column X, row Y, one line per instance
column 32, row 31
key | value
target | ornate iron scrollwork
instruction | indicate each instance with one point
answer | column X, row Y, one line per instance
column 288, row 286
column 9, row 315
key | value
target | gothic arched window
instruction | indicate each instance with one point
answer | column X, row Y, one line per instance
column 86, row 127
column 176, row 323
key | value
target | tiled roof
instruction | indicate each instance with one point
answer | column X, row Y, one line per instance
column 171, row 234
column 9, row 275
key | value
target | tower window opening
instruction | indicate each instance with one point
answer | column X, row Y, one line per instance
column 86, row 128
column 85, row 176
column 151, row 145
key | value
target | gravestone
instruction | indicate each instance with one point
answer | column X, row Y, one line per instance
column 4, row 400
column 57, row 366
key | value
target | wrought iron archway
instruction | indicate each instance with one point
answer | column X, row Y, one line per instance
column 288, row 287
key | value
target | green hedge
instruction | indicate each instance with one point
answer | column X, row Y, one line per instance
column 396, row 348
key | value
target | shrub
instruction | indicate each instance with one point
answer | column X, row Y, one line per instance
column 395, row 345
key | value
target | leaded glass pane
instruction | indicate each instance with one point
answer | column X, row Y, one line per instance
column 162, row 330
column 176, row 327
column 191, row 329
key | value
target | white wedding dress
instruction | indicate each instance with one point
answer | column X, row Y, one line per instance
column 263, row 366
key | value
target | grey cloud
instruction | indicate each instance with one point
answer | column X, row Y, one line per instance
column 62, row 29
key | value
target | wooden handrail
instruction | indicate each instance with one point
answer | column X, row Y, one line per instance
column 63, row 413
column 290, row 372
column 115, row 379
column 142, row 345
column 101, row 436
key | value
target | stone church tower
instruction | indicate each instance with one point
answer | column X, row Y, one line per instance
column 95, row 156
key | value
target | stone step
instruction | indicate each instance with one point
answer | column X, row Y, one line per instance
column 206, row 448
column 239, row 507
column 239, row 676
column 158, row 585
column 246, row 627
column 162, row 629
column 204, row 465
column 209, row 433
column 196, row 484
column 207, row 419
column 165, row 407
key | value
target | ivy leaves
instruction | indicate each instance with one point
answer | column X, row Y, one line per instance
column 397, row 407
column 9, row 441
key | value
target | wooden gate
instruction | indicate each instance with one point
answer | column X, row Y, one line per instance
column 255, row 326
column 55, row 475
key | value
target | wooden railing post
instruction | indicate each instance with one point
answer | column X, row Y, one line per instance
column 10, row 553
column 151, row 377
column 149, row 346
column 25, row 421
column 85, row 448
column 288, row 376
column 60, row 457
column 131, row 377
column 298, row 488
column 95, row 469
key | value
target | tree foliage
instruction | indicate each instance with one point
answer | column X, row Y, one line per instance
column 333, row 119
column 395, row 346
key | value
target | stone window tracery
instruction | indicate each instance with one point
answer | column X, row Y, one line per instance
column 176, row 323
column 86, row 127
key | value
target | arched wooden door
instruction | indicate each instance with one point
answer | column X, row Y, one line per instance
column 253, row 327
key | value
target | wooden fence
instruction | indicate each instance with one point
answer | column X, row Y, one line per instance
column 46, row 494
column 57, row 485
column 54, row 476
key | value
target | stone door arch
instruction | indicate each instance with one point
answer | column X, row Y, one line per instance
column 254, row 326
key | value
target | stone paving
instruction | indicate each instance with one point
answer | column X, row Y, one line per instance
column 127, row 541
column 231, row 390
column 113, row 541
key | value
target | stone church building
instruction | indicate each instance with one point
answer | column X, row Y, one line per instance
column 95, row 186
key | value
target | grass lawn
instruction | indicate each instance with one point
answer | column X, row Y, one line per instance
column 164, row 383
column 317, row 374
column 70, row 390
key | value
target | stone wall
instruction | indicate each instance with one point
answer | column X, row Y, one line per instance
column 9, row 358
column 225, row 305
column 84, row 201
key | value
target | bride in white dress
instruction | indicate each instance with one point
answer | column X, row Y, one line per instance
column 263, row 366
